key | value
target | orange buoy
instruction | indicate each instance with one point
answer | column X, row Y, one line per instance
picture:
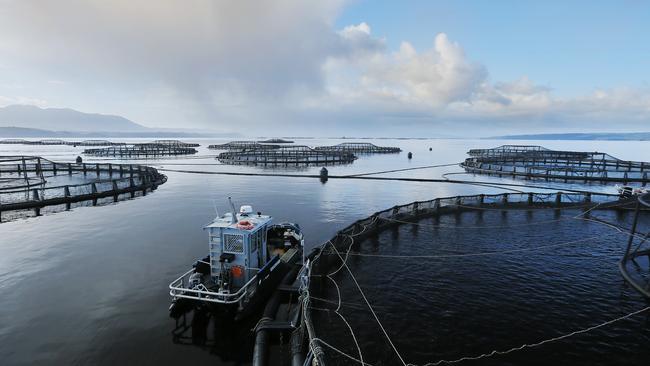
column 245, row 225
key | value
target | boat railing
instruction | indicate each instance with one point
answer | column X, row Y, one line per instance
column 177, row 289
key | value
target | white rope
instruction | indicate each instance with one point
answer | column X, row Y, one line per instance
column 531, row 345
column 339, row 351
column 370, row 306
column 511, row 350
column 338, row 291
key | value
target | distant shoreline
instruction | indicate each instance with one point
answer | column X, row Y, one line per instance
column 599, row 136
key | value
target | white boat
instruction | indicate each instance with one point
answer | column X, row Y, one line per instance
column 248, row 257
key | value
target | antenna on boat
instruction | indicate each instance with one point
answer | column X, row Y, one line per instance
column 214, row 204
column 234, row 212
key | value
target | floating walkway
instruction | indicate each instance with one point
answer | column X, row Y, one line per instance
column 103, row 181
column 286, row 155
column 536, row 162
column 360, row 148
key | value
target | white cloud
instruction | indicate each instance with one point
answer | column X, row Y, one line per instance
column 278, row 66
column 433, row 78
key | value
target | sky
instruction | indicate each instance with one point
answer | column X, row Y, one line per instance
column 333, row 68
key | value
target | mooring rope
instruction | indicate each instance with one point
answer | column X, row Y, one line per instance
column 338, row 291
column 417, row 180
column 498, row 352
column 339, row 351
column 403, row 170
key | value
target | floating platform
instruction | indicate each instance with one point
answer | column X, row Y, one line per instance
column 242, row 145
column 34, row 183
column 360, row 148
column 142, row 150
column 286, row 155
column 537, row 162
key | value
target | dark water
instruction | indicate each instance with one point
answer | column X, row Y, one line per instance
column 89, row 286
column 447, row 308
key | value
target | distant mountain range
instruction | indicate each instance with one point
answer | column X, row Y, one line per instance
column 28, row 116
column 32, row 121
column 611, row 136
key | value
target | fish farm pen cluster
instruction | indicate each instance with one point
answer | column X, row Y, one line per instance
column 151, row 149
column 286, row 155
column 252, row 152
column 326, row 265
column 538, row 162
column 31, row 185
column 360, row 148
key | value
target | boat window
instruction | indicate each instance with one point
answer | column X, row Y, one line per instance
column 233, row 243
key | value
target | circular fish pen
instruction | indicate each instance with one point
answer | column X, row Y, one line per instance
column 506, row 279
column 536, row 162
column 286, row 155
column 31, row 186
column 16, row 172
column 635, row 264
column 146, row 150
column 360, row 148
column 174, row 143
column 242, row 145
column 95, row 143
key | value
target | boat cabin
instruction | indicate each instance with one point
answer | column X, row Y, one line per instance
column 237, row 246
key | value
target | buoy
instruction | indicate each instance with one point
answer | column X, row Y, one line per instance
column 245, row 225
column 323, row 175
column 410, row 155
column 79, row 159
column 430, row 149
column 237, row 271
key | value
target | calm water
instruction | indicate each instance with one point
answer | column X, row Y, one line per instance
column 89, row 286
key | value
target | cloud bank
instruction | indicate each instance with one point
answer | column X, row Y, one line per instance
column 273, row 67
